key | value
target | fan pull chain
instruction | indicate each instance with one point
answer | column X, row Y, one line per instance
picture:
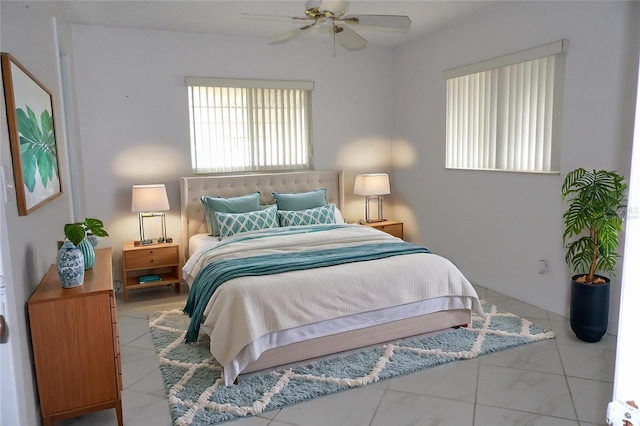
column 334, row 40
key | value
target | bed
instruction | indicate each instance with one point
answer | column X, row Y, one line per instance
column 267, row 320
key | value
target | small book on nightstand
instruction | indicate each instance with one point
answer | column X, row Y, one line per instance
column 149, row 279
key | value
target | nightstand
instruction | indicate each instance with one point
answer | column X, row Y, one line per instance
column 391, row 227
column 161, row 260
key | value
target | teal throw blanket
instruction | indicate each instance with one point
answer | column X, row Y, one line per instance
column 218, row 272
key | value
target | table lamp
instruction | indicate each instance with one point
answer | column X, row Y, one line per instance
column 372, row 186
column 150, row 201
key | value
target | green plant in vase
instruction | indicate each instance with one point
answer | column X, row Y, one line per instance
column 592, row 224
column 78, row 232
column 596, row 201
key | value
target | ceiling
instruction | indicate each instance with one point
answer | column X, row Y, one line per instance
column 226, row 17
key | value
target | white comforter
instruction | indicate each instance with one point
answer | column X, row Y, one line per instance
column 245, row 309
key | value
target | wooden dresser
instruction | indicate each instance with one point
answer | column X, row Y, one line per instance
column 74, row 333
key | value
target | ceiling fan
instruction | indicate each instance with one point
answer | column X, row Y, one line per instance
column 329, row 16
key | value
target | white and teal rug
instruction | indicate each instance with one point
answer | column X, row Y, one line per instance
column 198, row 396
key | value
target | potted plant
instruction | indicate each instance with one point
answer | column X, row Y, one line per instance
column 592, row 224
column 76, row 232
column 83, row 235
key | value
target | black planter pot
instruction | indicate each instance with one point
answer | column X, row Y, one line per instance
column 589, row 309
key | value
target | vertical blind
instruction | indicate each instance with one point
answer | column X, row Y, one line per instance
column 503, row 118
column 249, row 125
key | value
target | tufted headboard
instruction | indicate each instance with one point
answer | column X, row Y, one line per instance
column 192, row 188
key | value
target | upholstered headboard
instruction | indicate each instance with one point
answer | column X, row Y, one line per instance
column 192, row 188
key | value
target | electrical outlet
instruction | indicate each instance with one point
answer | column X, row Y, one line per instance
column 542, row 266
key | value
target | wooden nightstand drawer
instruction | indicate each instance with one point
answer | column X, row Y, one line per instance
column 151, row 257
column 391, row 227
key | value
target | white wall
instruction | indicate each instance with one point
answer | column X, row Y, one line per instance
column 28, row 32
column 133, row 109
column 129, row 89
column 496, row 226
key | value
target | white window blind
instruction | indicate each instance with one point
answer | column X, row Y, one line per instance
column 502, row 114
column 249, row 125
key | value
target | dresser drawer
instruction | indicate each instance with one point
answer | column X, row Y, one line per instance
column 151, row 258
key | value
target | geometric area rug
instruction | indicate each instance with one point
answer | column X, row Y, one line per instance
column 197, row 394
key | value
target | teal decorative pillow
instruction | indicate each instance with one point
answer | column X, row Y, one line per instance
column 242, row 204
column 317, row 216
column 235, row 223
column 301, row 200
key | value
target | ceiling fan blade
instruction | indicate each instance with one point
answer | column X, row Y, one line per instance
column 337, row 7
column 348, row 38
column 399, row 22
column 296, row 32
column 265, row 17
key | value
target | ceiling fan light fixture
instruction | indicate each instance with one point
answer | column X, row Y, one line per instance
column 329, row 16
column 334, row 7
column 313, row 13
column 324, row 22
column 312, row 4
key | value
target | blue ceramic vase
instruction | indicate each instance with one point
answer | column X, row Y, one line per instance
column 92, row 239
column 70, row 265
column 89, row 254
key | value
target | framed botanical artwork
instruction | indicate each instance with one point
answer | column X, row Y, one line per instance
column 32, row 136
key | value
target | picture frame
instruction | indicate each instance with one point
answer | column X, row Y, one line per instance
column 32, row 136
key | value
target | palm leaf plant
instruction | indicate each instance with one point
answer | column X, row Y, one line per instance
column 593, row 220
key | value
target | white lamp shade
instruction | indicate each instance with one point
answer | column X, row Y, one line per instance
column 372, row 184
column 149, row 198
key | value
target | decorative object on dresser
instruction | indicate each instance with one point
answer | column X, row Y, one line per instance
column 32, row 137
column 76, row 349
column 76, row 253
column 372, row 186
column 142, row 264
column 150, row 201
column 84, row 235
column 70, row 265
column 391, row 227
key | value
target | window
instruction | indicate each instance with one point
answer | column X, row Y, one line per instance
column 503, row 113
column 249, row 125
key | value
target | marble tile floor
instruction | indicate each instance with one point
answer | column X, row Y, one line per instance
column 563, row 381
